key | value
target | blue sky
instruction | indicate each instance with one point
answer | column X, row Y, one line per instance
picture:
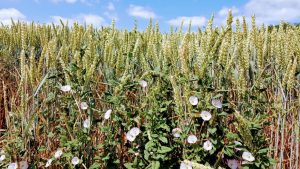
column 166, row 12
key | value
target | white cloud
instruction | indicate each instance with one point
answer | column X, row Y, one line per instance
column 89, row 19
column 6, row 14
column 270, row 11
column 111, row 6
column 111, row 11
column 57, row 19
column 195, row 21
column 224, row 11
column 141, row 12
column 96, row 20
column 265, row 11
column 220, row 18
column 71, row 1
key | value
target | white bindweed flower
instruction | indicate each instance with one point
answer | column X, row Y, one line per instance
column 176, row 132
column 184, row 165
column 75, row 160
column 65, row 88
column 58, row 153
column 2, row 157
column 248, row 156
column 48, row 163
column 207, row 145
column 233, row 164
column 143, row 83
column 134, row 131
column 193, row 100
column 87, row 123
column 205, row 115
column 24, row 165
column 192, row 139
column 107, row 114
column 217, row 103
column 130, row 137
column 84, row 105
column 12, row 166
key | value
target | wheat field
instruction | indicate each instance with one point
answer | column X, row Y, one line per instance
column 75, row 96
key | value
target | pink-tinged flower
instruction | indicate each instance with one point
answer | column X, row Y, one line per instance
column 12, row 166
column 87, row 123
column 132, row 133
column 205, row 115
column 49, row 162
column 176, row 132
column 2, row 157
column 143, row 83
column 207, row 145
column 75, row 161
column 217, row 103
column 84, row 105
column 107, row 114
column 248, row 156
column 193, row 100
column 233, row 164
column 65, row 88
column 192, row 139
column 24, row 165
column 184, row 165
column 130, row 137
column 58, row 153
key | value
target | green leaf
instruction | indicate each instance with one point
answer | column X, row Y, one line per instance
column 263, row 151
column 117, row 161
column 272, row 161
column 232, row 136
column 106, row 157
column 41, row 84
column 154, row 135
column 163, row 139
column 228, row 151
column 164, row 126
column 155, row 165
column 223, row 114
column 95, row 165
column 99, row 146
column 50, row 135
column 212, row 130
column 128, row 165
column 51, row 96
column 163, row 109
column 146, row 155
column 67, row 155
column 149, row 145
column 257, row 164
column 42, row 148
column 218, row 96
column 164, row 149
